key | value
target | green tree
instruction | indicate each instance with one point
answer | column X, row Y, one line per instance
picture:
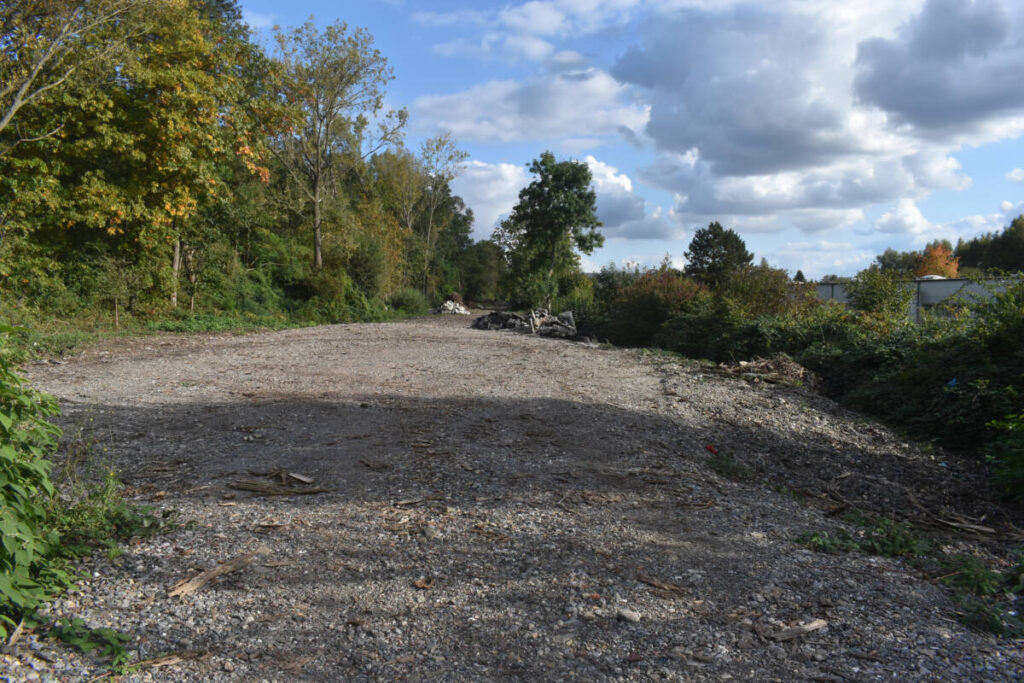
column 902, row 262
column 799, row 277
column 482, row 267
column 555, row 216
column 333, row 83
column 43, row 45
column 879, row 291
column 441, row 161
column 715, row 253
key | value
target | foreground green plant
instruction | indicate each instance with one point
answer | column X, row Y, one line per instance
column 104, row 641
column 30, row 569
column 41, row 530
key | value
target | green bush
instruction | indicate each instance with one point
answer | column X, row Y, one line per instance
column 410, row 301
column 1007, row 455
column 29, row 570
column 879, row 291
column 642, row 306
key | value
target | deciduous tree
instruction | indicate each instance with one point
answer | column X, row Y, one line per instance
column 556, row 216
column 333, row 81
column 937, row 259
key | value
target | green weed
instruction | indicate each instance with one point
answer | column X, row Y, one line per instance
column 106, row 642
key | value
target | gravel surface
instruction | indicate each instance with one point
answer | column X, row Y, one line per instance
column 500, row 507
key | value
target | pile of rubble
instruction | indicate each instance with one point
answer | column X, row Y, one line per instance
column 539, row 322
column 452, row 307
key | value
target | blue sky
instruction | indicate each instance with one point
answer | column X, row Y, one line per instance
column 822, row 131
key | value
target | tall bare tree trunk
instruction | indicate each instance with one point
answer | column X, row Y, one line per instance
column 176, row 268
column 318, row 255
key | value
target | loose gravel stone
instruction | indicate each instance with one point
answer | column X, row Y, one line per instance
column 499, row 507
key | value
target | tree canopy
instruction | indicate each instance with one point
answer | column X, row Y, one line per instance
column 715, row 252
column 554, row 220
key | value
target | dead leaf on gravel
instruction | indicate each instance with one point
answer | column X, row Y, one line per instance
column 374, row 466
column 424, row 583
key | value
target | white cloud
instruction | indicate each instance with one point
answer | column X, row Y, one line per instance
column 820, row 258
column 257, row 20
column 1011, row 210
column 529, row 47
column 537, row 18
column 544, row 107
column 623, row 213
column 905, row 218
column 1016, row 175
column 491, row 190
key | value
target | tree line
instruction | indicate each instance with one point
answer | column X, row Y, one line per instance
column 154, row 158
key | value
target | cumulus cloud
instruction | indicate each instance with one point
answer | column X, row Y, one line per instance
column 539, row 18
column 820, row 258
column 1016, row 175
column 905, row 218
column 738, row 86
column 955, row 64
column 622, row 212
column 491, row 190
column 544, row 107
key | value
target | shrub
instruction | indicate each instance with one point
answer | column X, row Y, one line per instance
column 644, row 305
column 29, row 572
column 879, row 291
column 1007, row 455
column 760, row 290
column 410, row 301
column 367, row 266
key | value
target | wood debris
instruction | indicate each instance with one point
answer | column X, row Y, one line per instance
column 267, row 489
column 424, row 583
column 187, row 586
column 665, row 589
column 797, row 631
column 485, row 530
column 374, row 466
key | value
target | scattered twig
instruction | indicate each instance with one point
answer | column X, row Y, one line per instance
column 666, row 589
column 267, row 489
column 192, row 585
column 797, row 631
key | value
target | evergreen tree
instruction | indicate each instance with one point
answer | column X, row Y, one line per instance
column 715, row 253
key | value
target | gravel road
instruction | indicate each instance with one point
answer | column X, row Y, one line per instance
column 498, row 507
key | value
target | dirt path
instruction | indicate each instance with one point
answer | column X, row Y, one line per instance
column 500, row 507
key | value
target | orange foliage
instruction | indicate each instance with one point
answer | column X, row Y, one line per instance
column 938, row 259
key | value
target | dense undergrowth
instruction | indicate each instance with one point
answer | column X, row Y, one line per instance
column 48, row 519
column 955, row 379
